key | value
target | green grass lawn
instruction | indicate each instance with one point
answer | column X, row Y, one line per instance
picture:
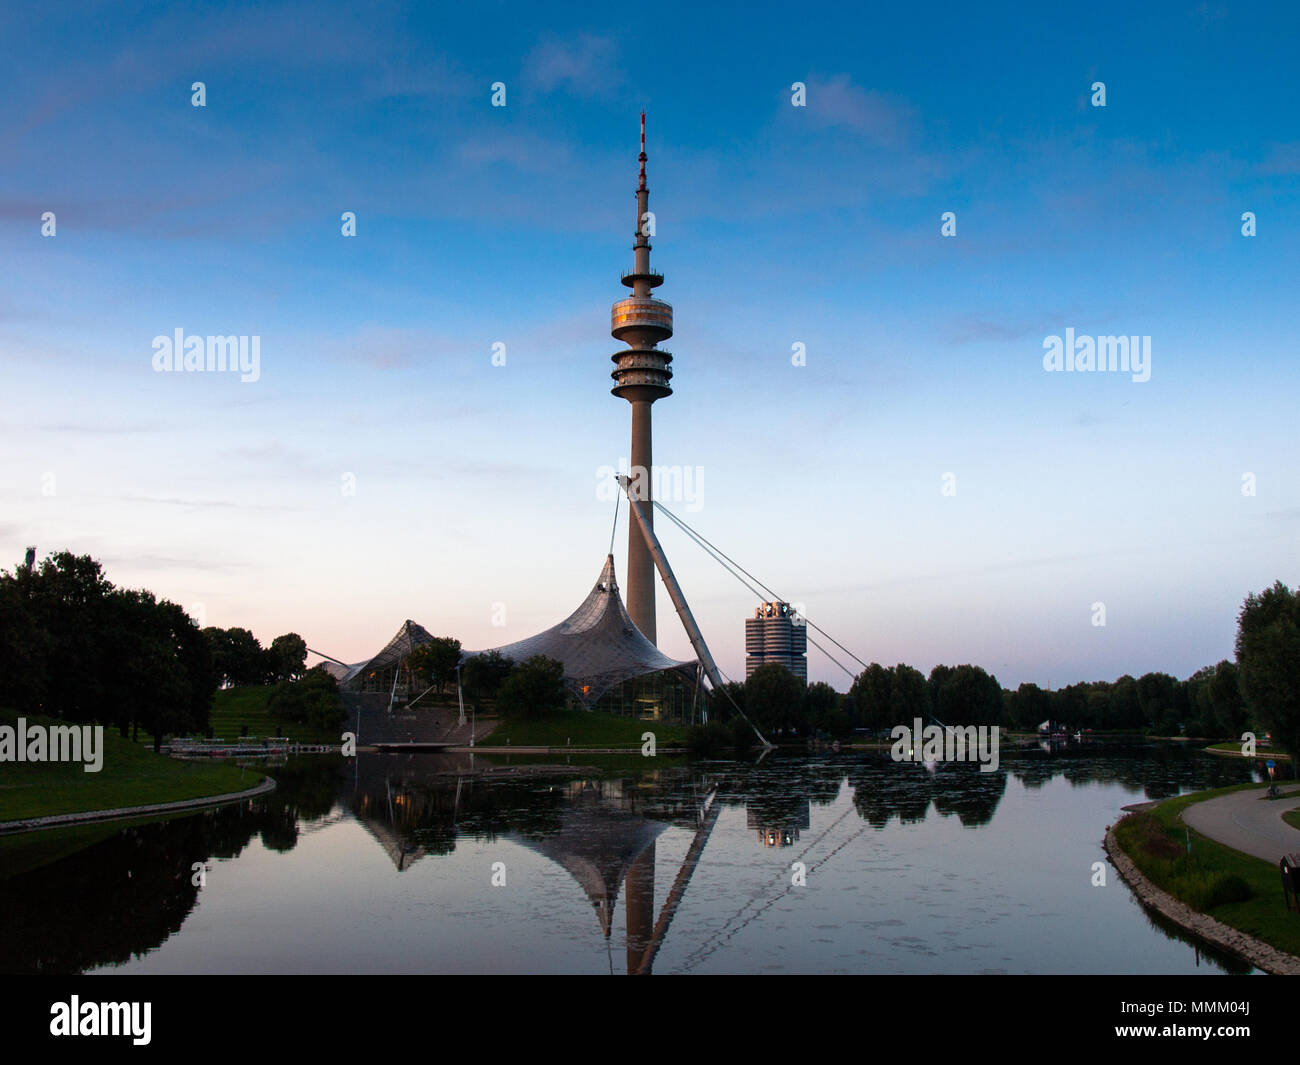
column 233, row 708
column 1213, row 879
column 583, row 729
column 131, row 775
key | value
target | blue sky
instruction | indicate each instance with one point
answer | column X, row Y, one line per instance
column 475, row 484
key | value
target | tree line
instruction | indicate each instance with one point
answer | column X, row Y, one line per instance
column 75, row 646
column 1259, row 691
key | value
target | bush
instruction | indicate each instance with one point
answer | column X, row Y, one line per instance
column 742, row 733
column 709, row 738
column 314, row 700
column 533, row 689
column 1165, row 860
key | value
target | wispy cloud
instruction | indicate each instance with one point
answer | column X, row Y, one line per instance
column 96, row 428
column 586, row 65
column 978, row 328
column 222, row 504
column 839, row 101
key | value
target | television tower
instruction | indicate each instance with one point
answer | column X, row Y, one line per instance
column 641, row 374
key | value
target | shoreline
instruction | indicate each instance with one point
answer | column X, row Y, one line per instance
column 1258, row 953
column 51, row 821
column 1259, row 756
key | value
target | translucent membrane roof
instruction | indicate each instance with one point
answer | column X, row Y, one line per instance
column 598, row 644
column 410, row 636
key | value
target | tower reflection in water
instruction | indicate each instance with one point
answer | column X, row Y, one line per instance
column 601, row 831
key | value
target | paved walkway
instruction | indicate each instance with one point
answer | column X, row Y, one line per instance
column 1248, row 822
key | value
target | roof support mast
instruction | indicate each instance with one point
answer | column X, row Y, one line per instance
column 675, row 594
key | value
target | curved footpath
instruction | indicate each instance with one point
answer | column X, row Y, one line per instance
column 1257, row 830
column 34, row 824
column 1248, row 822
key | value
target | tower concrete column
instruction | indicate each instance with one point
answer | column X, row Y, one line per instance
column 641, row 373
column 640, row 563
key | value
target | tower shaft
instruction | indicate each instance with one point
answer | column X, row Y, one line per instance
column 640, row 563
column 641, row 373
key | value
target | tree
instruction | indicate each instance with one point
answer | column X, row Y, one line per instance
column 74, row 646
column 436, row 660
column 1201, row 718
column 24, row 649
column 1156, row 696
column 194, row 654
column 313, row 700
column 1030, row 707
column 965, row 695
column 1097, row 715
column 824, row 710
column 533, row 689
column 1268, row 662
column 909, row 696
column 287, row 657
column 1125, row 704
column 237, row 656
column 871, row 697
column 483, row 675
column 774, row 698
column 1225, row 697
column 724, row 702
column 68, row 600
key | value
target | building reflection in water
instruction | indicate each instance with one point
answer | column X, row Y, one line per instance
column 605, row 841
column 601, row 831
column 119, row 892
column 783, row 833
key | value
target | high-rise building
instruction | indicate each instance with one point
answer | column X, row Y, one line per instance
column 641, row 376
column 776, row 634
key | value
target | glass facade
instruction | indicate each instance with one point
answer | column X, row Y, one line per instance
column 670, row 695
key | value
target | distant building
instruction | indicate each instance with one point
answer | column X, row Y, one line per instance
column 776, row 634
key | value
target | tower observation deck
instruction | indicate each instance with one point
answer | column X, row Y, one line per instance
column 641, row 376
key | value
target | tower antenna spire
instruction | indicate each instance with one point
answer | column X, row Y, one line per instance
column 641, row 157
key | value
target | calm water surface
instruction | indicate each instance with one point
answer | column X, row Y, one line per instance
column 392, row 863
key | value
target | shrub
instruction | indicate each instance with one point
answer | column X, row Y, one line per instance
column 314, row 700
column 534, row 689
column 706, row 739
column 742, row 733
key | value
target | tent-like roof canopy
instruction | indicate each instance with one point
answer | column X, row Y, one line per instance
column 598, row 644
column 410, row 636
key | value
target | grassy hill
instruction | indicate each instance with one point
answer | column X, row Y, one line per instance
column 583, row 729
column 131, row 775
column 233, row 708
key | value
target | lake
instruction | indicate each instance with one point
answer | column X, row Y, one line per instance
column 459, row 863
